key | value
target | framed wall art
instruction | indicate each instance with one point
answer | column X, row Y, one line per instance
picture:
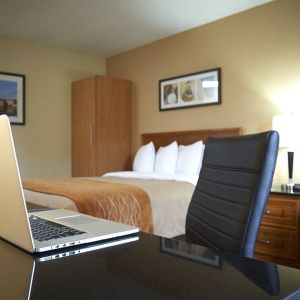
column 12, row 97
column 190, row 90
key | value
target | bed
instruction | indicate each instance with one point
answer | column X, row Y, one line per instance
column 156, row 203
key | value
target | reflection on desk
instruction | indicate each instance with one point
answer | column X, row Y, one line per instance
column 191, row 251
column 150, row 268
column 264, row 275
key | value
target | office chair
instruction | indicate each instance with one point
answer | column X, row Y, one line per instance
column 232, row 191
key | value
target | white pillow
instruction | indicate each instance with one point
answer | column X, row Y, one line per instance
column 166, row 158
column 190, row 157
column 144, row 159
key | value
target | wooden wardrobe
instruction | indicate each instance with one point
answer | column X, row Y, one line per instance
column 100, row 126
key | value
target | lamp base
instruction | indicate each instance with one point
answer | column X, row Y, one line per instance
column 288, row 187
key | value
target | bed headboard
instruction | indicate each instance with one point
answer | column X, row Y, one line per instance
column 186, row 137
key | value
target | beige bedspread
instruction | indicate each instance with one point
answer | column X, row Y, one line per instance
column 118, row 202
column 169, row 201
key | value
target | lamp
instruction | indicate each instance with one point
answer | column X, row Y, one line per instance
column 285, row 125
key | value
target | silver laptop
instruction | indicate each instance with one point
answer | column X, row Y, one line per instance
column 43, row 230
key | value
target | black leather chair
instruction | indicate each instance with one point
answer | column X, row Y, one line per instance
column 232, row 191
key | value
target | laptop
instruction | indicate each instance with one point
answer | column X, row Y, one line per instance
column 43, row 230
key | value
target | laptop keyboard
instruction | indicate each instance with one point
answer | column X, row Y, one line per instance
column 44, row 230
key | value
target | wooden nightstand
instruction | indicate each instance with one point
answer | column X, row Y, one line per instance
column 279, row 236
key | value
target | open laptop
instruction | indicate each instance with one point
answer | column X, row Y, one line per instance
column 43, row 230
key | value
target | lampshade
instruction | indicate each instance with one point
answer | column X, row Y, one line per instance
column 285, row 125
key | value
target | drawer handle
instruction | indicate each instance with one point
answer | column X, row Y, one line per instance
column 267, row 212
column 266, row 242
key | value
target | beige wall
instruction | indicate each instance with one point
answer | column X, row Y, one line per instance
column 43, row 145
column 259, row 53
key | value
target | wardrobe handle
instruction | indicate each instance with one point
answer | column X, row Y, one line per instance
column 268, row 212
column 91, row 135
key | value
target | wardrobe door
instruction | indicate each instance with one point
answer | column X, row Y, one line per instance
column 83, row 127
column 113, row 132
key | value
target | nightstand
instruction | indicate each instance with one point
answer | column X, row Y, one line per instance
column 279, row 236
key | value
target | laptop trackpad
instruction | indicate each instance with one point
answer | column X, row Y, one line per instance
column 78, row 220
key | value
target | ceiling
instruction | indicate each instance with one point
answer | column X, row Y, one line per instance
column 108, row 27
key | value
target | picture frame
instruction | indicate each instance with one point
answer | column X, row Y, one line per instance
column 12, row 97
column 190, row 251
column 190, row 90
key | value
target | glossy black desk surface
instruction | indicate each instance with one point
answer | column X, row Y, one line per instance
column 150, row 268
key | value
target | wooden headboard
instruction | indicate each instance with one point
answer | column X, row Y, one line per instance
column 161, row 139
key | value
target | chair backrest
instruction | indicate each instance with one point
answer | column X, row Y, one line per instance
column 232, row 191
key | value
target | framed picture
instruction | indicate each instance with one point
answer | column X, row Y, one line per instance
column 12, row 97
column 196, row 89
column 190, row 251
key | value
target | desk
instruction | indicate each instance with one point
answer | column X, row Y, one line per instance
column 150, row 268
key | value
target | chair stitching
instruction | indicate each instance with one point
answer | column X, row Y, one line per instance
column 213, row 228
column 217, row 198
column 217, row 213
column 224, row 184
column 228, row 169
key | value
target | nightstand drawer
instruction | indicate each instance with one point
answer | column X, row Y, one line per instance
column 281, row 212
column 278, row 242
